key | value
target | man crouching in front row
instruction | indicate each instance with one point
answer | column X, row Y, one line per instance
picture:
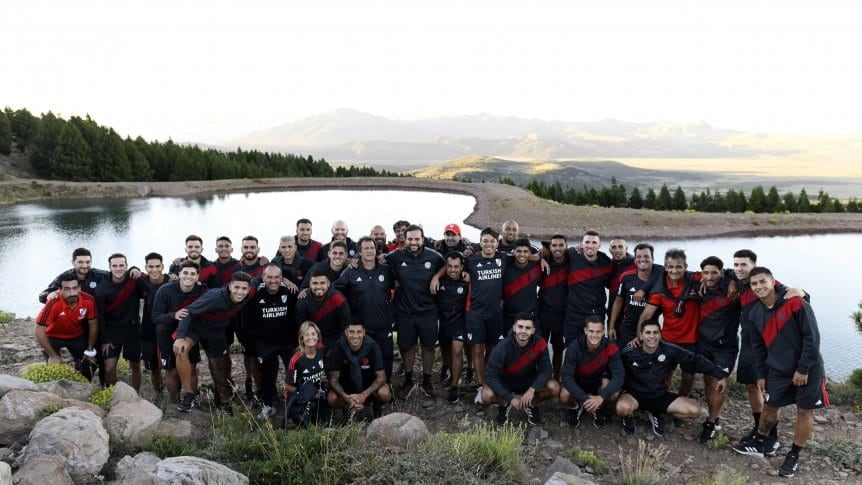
column 518, row 373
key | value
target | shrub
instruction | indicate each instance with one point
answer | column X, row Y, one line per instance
column 6, row 317
column 52, row 372
column 843, row 448
column 166, row 446
column 123, row 369
column 49, row 410
column 855, row 379
column 849, row 392
column 719, row 441
column 647, row 467
column 586, row 458
column 489, row 450
column 103, row 398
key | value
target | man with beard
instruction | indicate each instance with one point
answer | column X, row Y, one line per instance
column 325, row 306
column 378, row 235
column 269, row 322
column 521, row 281
column 87, row 276
column 118, row 302
column 339, row 233
column 519, row 371
column 589, row 275
column 452, row 241
column 331, row 267
column 357, row 373
column 415, row 308
column 621, row 263
column 306, row 247
column 510, row 232
column 786, row 346
column 60, row 324
column 169, row 307
column 553, row 293
column 148, row 286
column 225, row 263
column 206, row 323
column 645, row 387
column 629, row 299
column 451, row 307
column 194, row 252
column 592, row 375
column 252, row 264
column 368, row 288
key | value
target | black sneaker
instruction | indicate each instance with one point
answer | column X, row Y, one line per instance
column 406, row 390
column 629, row 425
column 788, row 468
column 708, row 431
column 753, row 447
column 445, row 375
column 224, row 411
column 533, row 416
column 376, row 409
column 600, row 420
column 502, row 414
column 657, row 422
column 428, row 389
column 573, row 416
column 770, row 445
column 187, row 402
column 199, row 400
column 453, row 396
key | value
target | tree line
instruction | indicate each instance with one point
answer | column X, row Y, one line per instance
column 758, row 200
column 80, row 149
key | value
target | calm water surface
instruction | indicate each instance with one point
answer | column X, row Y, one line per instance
column 36, row 243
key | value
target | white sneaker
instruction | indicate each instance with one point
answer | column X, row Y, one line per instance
column 267, row 412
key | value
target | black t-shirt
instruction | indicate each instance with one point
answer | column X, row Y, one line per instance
column 370, row 365
column 486, row 281
column 302, row 369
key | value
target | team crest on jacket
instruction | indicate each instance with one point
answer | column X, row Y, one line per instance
column 661, row 358
column 427, row 264
column 380, row 278
column 460, row 290
column 82, row 312
column 284, row 298
column 498, row 261
column 92, row 284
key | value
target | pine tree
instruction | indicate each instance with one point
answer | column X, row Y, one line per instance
column 650, row 199
column 71, row 157
column 109, row 158
column 635, row 200
column 773, row 200
column 790, row 202
column 137, row 161
column 45, row 142
column 5, row 134
column 663, row 203
column 678, row 203
column 804, row 203
column 757, row 200
column 25, row 127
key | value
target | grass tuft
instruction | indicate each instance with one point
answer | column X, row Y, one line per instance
column 586, row 458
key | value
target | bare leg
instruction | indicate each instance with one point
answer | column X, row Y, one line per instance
column 137, row 375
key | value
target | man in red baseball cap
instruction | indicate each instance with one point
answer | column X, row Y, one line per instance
column 452, row 241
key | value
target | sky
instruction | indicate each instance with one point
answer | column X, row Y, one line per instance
column 213, row 71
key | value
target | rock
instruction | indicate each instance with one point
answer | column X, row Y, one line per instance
column 7, row 455
column 138, row 470
column 5, row 473
column 73, row 434
column 843, row 475
column 560, row 478
column 177, row 428
column 820, row 419
column 190, row 470
column 536, row 434
column 133, row 420
column 398, row 429
column 79, row 391
column 12, row 383
column 562, row 465
column 43, row 469
column 20, row 410
column 554, row 444
column 123, row 393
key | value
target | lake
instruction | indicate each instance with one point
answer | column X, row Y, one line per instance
column 36, row 243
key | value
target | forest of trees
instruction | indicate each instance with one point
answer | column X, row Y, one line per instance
column 79, row 149
column 758, row 200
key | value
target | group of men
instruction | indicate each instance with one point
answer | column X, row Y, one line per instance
column 511, row 304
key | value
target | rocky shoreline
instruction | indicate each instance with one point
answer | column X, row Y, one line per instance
column 495, row 203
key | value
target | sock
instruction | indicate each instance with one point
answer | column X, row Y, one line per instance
column 408, row 377
column 795, row 449
column 426, row 378
column 773, row 433
column 756, row 420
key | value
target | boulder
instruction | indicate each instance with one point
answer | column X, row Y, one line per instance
column 123, row 393
column 21, row 410
column 79, row 391
column 133, row 420
column 43, row 469
column 560, row 478
column 7, row 455
column 178, row 428
column 137, row 470
column 191, row 470
column 73, row 434
column 563, row 465
column 398, row 429
column 5, row 473
column 12, row 383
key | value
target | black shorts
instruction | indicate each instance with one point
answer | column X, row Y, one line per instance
column 724, row 358
column 590, row 387
column 383, row 337
column 212, row 339
column 165, row 348
column 76, row 346
column 416, row 328
column 655, row 404
column 452, row 332
column 687, row 368
column 745, row 373
column 484, row 327
column 125, row 341
column 268, row 351
column 549, row 325
column 781, row 392
column 247, row 341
